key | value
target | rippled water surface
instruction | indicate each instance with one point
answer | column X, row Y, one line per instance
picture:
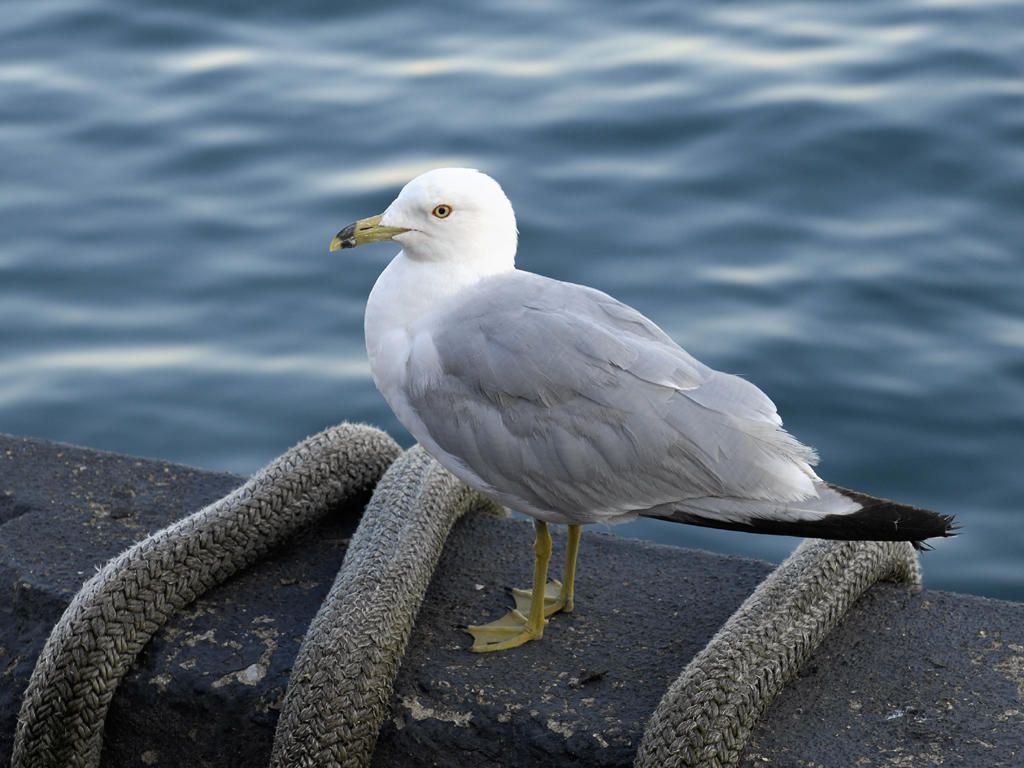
column 825, row 197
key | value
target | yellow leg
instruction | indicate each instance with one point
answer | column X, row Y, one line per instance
column 557, row 595
column 518, row 626
column 571, row 550
column 527, row 621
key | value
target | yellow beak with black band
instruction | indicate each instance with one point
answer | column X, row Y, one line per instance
column 363, row 232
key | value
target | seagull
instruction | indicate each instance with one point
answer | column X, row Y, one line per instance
column 558, row 401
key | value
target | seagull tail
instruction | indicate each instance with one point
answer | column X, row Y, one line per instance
column 864, row 518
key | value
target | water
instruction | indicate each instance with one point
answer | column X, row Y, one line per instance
column 826, row 197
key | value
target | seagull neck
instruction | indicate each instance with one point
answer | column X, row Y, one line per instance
column 409, row 288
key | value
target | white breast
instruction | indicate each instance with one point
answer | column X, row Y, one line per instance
column 407, row 300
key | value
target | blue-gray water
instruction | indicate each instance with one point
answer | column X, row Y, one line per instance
column 826, row 197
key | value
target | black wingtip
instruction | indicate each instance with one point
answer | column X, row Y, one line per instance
column 949, row 525
column 876, row 520
column 903, row 522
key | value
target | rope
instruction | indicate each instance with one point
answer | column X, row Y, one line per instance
column 116, row 612
column 341, row 684
column 706, row 717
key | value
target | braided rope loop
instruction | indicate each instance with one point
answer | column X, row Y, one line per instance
column 115, row 613
column 706, row 717
column 343, row 678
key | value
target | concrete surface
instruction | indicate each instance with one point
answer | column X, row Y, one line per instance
column 911, row 678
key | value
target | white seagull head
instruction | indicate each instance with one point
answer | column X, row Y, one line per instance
column 444, row 215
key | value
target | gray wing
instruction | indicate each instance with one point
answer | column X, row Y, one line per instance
column 564, row 400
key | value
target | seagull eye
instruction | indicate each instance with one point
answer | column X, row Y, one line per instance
column 442, row 211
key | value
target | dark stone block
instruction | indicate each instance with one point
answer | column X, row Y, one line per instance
column 909, row 678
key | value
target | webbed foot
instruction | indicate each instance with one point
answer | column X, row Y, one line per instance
column 514, row 628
